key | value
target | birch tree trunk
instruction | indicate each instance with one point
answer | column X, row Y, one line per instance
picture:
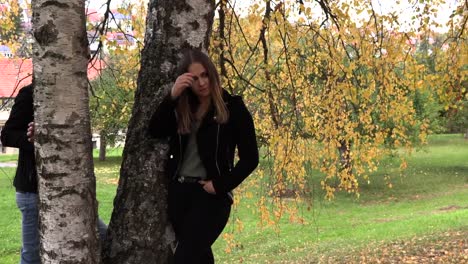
column 67, row 196
column 139, row 231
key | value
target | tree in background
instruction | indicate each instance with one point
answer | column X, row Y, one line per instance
column 10, row 22
column 14, row 31
column 113, row 91
column 67, row 186
column 341, row 90
column 451, row 72
column 110, row 107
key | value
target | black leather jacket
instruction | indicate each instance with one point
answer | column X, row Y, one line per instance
column 14, row 135
column 216, row 142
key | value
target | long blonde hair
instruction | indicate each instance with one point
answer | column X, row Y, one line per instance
column 188, row 102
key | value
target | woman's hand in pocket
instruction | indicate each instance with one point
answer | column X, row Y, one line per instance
column 208, row 186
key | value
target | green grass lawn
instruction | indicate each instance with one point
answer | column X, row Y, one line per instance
column 427, row 199
column 8, row 158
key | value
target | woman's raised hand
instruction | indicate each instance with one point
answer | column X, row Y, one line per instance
column 182, row 82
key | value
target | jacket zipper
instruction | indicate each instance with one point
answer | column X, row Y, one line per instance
column 227, row 155
column 180, row 158
column 180, row 153
column 216, row 153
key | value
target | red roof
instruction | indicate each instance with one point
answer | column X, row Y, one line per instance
column 94, row 68
column 16, row 73
column 3, row 7
column 93, row 15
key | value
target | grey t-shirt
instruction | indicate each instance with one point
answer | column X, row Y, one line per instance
column 192, row 165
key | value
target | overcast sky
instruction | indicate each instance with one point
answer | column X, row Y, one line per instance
column 97, row 4
column 404, row 9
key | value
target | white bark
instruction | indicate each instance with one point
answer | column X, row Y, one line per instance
column 67, row 198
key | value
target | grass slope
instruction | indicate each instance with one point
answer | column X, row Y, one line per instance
column 428, row 201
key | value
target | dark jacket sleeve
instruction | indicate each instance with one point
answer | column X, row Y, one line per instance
column 246, row 141
column 14, row 131
column 163, row 122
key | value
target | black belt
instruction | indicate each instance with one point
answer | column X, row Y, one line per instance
column 186, row 179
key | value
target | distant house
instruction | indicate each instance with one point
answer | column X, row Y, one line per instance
column 120, row 21
column 5, row 52
column 17, row 73
column 121, row 38
column 119, row 31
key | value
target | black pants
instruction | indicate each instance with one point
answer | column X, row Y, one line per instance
column 198, row 218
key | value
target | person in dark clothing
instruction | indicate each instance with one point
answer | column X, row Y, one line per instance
column 25, row 181
column 18, row 132
column 205, row 125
